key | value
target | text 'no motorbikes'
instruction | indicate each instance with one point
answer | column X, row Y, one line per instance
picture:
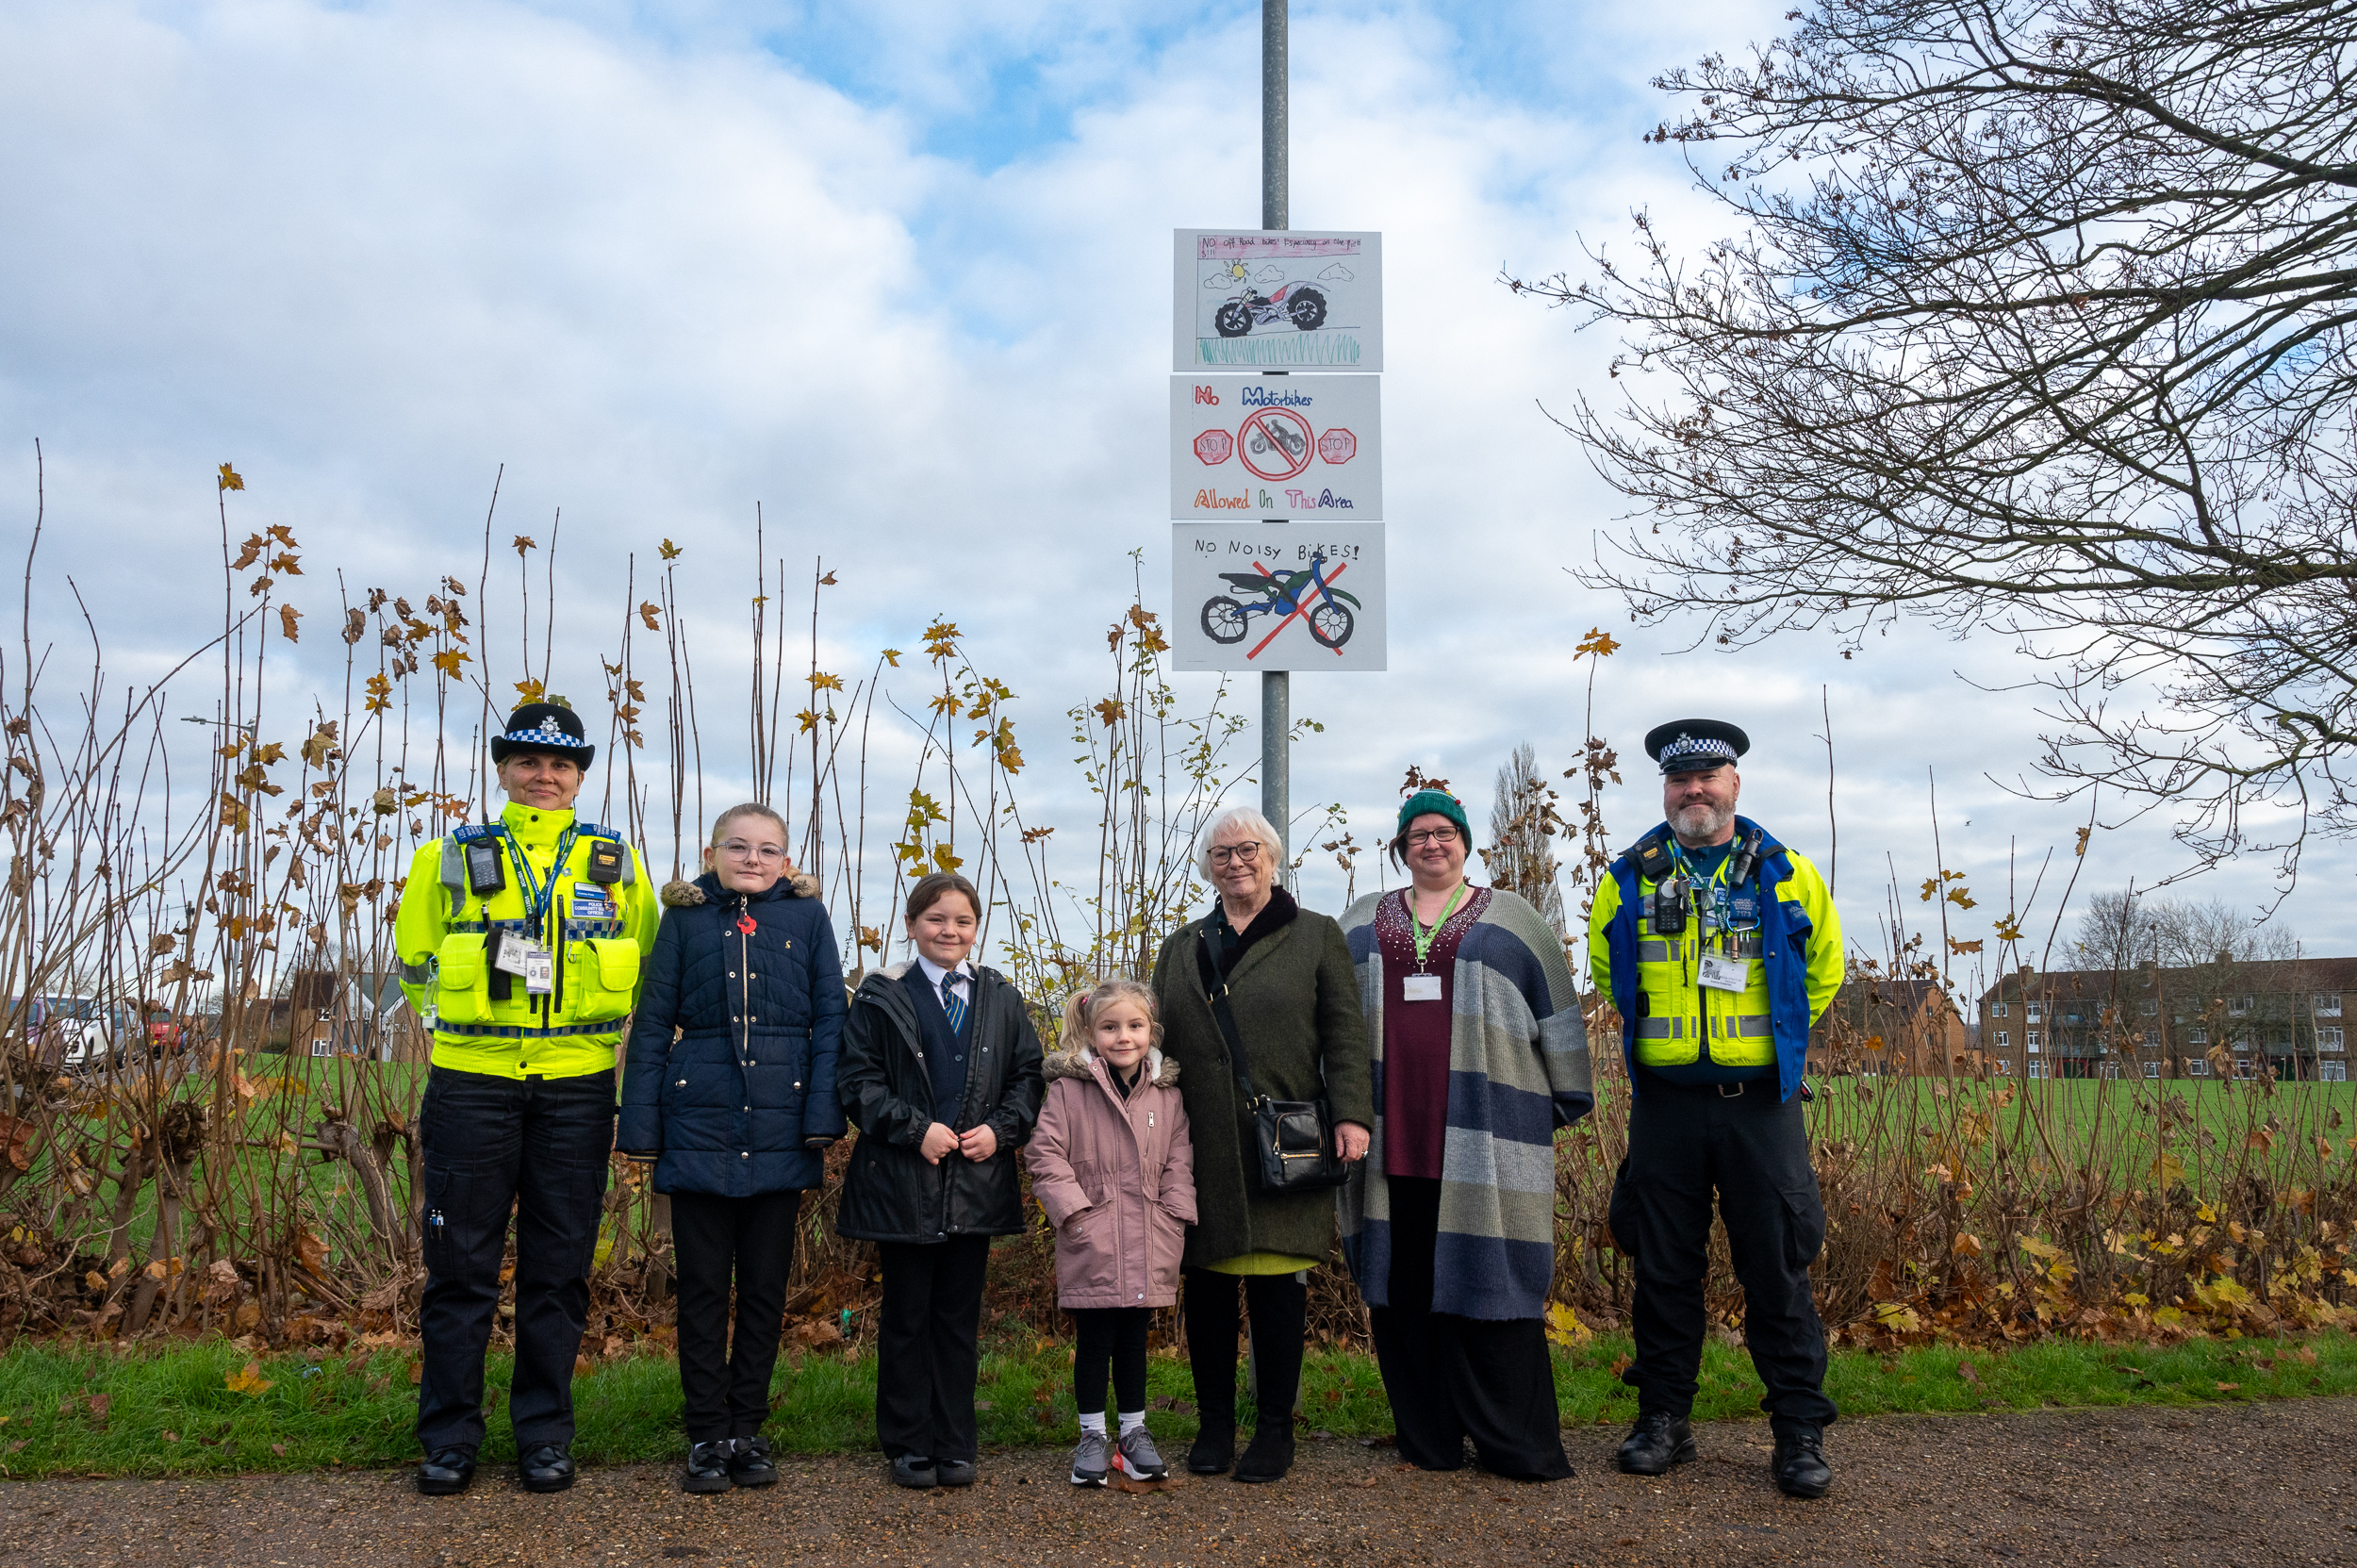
column 1296, row 446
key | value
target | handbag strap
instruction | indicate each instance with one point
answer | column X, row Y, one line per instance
column 1225, row 1015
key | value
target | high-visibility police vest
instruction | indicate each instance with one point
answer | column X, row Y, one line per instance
column 1793, row 966
column 596, row 924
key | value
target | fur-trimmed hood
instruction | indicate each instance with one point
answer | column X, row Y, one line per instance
column 707, row 889
column 1161, row 1071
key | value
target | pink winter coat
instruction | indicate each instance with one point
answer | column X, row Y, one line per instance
column 1117, row 1179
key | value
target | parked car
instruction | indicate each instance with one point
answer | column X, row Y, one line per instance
column 74, row 1034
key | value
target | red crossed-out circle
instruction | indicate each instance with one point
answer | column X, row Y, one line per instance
column 1266, row 422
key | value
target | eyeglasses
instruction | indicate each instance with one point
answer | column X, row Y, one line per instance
column 1423, row 836
column 768, row 854
column 1247, row 851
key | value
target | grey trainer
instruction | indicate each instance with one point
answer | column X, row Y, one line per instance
column 1088, row 1460
column 1139, row 1457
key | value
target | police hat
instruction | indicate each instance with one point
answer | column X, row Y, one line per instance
column 1690, row 745
column 544, row 727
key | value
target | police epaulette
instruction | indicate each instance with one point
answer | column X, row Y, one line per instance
column 473, row 829
column 591, row 830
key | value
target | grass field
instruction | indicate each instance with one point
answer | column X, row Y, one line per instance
column 173, row 1410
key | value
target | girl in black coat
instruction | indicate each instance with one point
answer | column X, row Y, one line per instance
column 941, row 1075
column 730, row 1090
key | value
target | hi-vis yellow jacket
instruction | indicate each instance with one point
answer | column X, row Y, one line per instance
column 1792, row 962
column 597, row 930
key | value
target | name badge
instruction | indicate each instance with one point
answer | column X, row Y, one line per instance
column 1724, row 974
column 539, row 970
column 508, row 953
column 1420, row 988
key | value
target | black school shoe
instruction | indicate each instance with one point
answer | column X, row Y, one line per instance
column 546, row 1467
column 749, row 1464
column 1800, row 1466
column 953, row 1472
column 1214, row 1448
column 1268, row 1456
column 708, row 1467
column 914, row 1470
column 1658, row 1440
column 446, row 1472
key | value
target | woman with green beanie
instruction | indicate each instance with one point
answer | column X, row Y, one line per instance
column 1449, row 1225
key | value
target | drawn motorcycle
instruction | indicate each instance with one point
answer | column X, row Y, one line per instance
column 1292, row 438
column 1302, row 303
column 1227, row 620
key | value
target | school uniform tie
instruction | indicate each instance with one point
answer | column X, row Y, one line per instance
column 953, row 1003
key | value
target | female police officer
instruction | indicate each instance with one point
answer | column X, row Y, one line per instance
column 519, row 942
column 1720, row 947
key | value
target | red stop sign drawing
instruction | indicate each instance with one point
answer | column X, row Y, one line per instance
column 1214, row 447
column 1279, row 439
column 1338, row 446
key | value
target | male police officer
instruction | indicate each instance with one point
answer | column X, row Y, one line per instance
column 519, row 943
column 1719, row 946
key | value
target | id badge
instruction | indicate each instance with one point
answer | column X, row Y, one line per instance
column 509, row 954
column 1420, row 988
column 1724, row 974
column 539, row 970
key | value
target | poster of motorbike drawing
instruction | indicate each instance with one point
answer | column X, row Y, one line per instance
column 1295, row 446
column 1307, row 596
column 1279, row 300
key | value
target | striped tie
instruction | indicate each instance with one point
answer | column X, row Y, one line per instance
column 953, row 1003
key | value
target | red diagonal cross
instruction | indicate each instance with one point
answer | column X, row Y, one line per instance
column 1301, row 603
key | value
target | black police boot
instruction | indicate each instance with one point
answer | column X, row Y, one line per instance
column 545, row 1467
column 446, row 1472
column 749, row 1464
column 1800, row 1466
column 1658, row 1440
column 1215, row 1448
column 707, row 1467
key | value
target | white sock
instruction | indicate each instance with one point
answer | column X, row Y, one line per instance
column 1096, row 1424
column 1132, row 1421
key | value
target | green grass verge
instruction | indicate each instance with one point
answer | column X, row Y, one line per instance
column 172, row 1410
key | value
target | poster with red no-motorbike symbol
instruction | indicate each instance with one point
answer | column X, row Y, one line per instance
column 1298, row 596
column 1308, row 447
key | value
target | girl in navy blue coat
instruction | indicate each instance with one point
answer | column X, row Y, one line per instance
column 731, row 1091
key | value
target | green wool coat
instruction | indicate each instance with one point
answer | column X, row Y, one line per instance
column 1295, row 998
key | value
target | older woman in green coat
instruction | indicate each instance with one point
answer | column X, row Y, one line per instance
column 1295, row 999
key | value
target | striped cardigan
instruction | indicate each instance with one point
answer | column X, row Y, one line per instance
column 1517, row 1071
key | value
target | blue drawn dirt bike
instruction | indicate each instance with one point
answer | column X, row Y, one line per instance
column 1227, row 620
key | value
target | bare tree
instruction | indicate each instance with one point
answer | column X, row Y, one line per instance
column 1523, row 823
column 2039, row 322
column 2119, row 931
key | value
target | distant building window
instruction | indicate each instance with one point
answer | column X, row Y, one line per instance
column 2035, row 1039
column 2198, row 1067
column 2111, row 1069
column 1997, row 1009
column 2245, row 1068
column 2148, row 1036
column 2038, row 1011
column 2200, row 1036
column 2038, row 1069
column 2000, row 1066
column 2004, row 1037
column 2151, row 1007
column 2330, row 1039
column 2240, row 1006
column 2151, row 1069
column 2331, row 1072
column 2328, row 1004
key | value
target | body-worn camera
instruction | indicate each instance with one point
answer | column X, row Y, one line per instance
column 1668, row 907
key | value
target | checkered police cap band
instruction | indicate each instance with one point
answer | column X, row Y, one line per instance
column 1687, row 746
column 546, row 734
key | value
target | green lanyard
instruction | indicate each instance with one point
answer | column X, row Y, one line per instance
column 1426, row 936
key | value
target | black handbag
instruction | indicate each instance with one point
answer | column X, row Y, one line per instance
column 1294, row 1138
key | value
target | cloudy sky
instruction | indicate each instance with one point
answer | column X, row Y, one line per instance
column 899, row 274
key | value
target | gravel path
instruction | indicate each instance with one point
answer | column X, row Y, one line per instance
column 2253, row 1484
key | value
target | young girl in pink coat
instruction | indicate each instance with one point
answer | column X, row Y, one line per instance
column 1110, row 1164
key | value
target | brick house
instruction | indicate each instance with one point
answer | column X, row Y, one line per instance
column 1899, row 1027
column 2230, row 1017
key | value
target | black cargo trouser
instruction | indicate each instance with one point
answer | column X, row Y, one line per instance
column 1753, row 1150
column 538, row 1148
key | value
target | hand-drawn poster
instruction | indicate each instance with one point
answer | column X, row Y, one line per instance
column 1277, row 299
column 1281, row 596
column 1276, row 446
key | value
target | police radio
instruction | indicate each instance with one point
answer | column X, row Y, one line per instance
column 487, row 871
column 1668, row 907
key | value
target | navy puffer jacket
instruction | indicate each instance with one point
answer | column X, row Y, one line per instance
column 729, row 1107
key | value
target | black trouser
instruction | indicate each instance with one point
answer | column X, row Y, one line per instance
column 1280, row 1313
column 538, row 1148
column 1682, row 1144
column 725, row 1389
column 926, row 1351
column 1114, row 1337
column 1451, row 1378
